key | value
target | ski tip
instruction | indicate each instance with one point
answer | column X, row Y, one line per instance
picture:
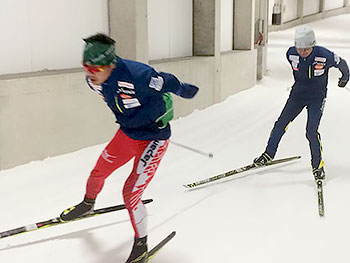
column 293, row 158
column 296, row 157
column 171, row 235
column 146, row 201
column 188, row 186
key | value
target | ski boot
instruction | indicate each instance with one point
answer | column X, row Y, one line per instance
column 262, row 160
column 139, row 251
column 85, row 207
column 319, row 173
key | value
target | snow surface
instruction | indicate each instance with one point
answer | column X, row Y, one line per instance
column 267, row 216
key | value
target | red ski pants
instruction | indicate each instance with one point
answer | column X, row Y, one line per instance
column 118, row 152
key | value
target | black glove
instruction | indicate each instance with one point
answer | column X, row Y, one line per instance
column 342, row 82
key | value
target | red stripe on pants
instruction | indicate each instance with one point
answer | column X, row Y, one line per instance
column 118, row 152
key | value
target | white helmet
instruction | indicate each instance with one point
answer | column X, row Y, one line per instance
column 304, row 37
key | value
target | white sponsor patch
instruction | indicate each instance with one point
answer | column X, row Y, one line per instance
column 294, row 58
column 131, row 103
column 128, row 101
column 295, row 65
column 320, row 59
column 126, row 91
column 336, row 59
column 125, row 84
column 318, row 73
column 295, row 61
column 156, row 83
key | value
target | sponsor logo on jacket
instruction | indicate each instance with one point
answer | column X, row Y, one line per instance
column 156, row 83
column 319, row 66
column 125, row 84
column 126, row 88
column 336, row 59
column 131, row 103
column 126, row 91
column 320, row 59
column 295, row 62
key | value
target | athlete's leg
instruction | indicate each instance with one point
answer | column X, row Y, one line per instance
column 314, row 115
column 290, row 111
column 116, row 154
column 147, row 158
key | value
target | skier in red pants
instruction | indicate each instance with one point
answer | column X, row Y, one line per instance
column 139, row 97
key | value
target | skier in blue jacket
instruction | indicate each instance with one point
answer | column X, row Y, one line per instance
column 139, row 98
column 310, row 64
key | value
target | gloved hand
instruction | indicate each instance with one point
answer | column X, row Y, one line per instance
column 342, row 82
column 187, row 90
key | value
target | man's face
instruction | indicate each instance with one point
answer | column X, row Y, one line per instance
column 304, row 52
column 98, row 74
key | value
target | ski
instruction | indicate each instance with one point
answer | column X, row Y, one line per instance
column 160, row 245
column 239, row 170
column 319, row 185
column 56, row 221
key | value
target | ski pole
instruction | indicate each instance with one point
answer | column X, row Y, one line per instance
column 210, row 155
column 347, row 89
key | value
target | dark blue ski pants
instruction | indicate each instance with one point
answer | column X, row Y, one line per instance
column 290, row 111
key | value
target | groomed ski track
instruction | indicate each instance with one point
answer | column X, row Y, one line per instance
column 267, row 216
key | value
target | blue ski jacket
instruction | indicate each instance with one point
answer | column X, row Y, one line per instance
column 135, row 94
column 311, row 73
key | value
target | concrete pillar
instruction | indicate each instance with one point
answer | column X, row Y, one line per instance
column 282, row 10
column 262, row 7
column 129, row 27
column 207, row 37
column 204, row 17
column 261, row 19
column 346, row 3
column 244, row 24
column 300, row 8
column 322, row 5
column 217, row 52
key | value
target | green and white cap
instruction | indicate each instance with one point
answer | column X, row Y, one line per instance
column 99, row 50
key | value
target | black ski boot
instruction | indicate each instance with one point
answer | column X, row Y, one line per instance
column 139, row 251
column 262, row 160
column 79, row 210
column 319, row 173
